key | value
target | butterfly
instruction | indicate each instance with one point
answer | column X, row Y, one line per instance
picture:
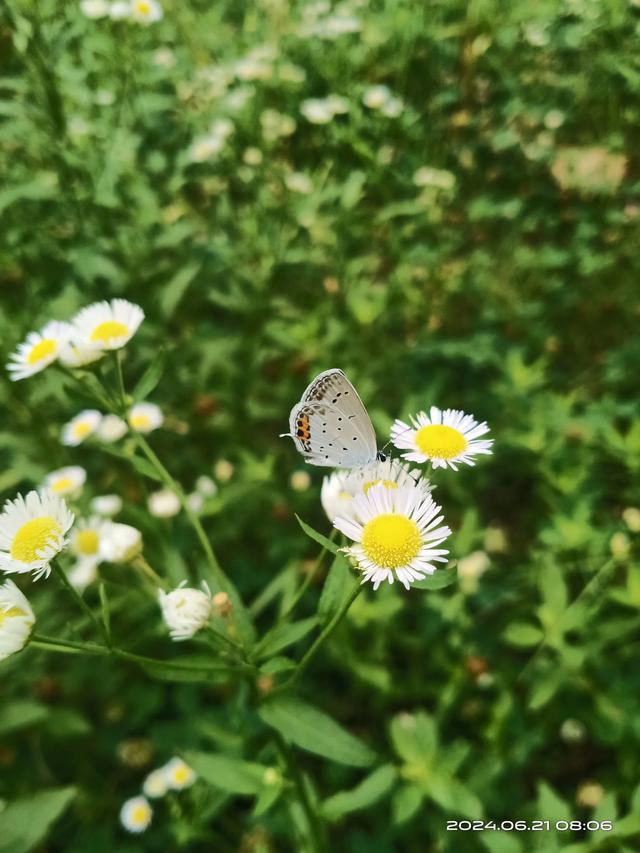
column 330, row 425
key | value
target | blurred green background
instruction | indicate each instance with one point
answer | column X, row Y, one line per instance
column 466, row 238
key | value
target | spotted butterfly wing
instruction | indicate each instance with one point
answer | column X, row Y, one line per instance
column 330, row 425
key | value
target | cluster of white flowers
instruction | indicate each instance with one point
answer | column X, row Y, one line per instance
column 95, row 329
column 142, row 417
column 381, row 98
column 140, row 11
column 176, row 775
column 387, row 509
column 211, row 143
column 324, row 110
column 321, row 21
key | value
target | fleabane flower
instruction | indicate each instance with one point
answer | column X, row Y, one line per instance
column 107, row 325
column 444, row 438
column 38, row 350
column 79, row 355
column 155, row 785
column 16, row 620
column 145, row 417
column 111, row 428
column 120, row 543
column 178, row 774
column 146, row 11
column 185, row 610
column 397, row 532
column 85, row 543
column 94, row 8
column 341, row 487
column 136, row 814
column 163, row 503
column 106, row 505
column 81, row 427
column 32, row 532
column 67, row 482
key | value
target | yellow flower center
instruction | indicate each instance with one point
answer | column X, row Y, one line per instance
column 140, row 421
column 12, row 611
column 33, row 536
column 143, row 7
column 108, row 330
column 391, row 540
column 181, row 775
column 82, row 429
column 388, row 483
column 44, row 349
column 438, row 441
column 139, row 814
column 64, row 484
column 87, row 542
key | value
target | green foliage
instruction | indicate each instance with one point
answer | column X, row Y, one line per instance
column 475, row 250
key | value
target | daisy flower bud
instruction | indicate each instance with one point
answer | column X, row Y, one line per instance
column 185, row 610
column 223, row 470
column 121, row 543
column 178, row 774
column 300, row 481
column 66, row 482
column 163, row 503
column 81, row 427
column 445, row 438
column 631, row 517
column 155, row 785
column 111, row 428
column 16, row 620
column 136, row 814
column 32, row 532
column 107, row 325
column 106, row 505
column 222, row 604
column 145, row 417
column 38, row 350
column 206, row 486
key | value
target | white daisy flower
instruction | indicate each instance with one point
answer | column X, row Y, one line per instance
column 120, row 543
column 106, row 505
column 88, row 534
column 155, row 785
column 83, row 574
column 206, row 486
column 397, row 531
column 163, row 503
column 178, row 774
column 111, row 428
column 107, row 325
column 185, row 610
column 146, row 11
column 94, row 8
column 145, row 417
column 16, row 620
column 38, row 350
column 79, row 355
column 136, row 814
column 341, row 487
column 67, row 482
column 317, row 110
column 80, row 427
column 443, row 437
column 32, row 532
column 120, row 10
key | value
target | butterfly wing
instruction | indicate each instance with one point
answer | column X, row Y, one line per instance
column 330, row 425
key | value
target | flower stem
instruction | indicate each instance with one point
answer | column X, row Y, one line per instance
column 64, row 580
column 328, row 630
column 316, row 829
column 67, row 646
column 305, row 584
column 140, row 563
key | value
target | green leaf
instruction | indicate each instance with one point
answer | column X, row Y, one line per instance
column 150, row 377
column 522, row 634
column 327, row 544
column 20, row 715
column 336, row 588
column 414, row 736
column 405, row 803
column 440, row 579
column 313, row 730
column 369, row 791
column 266, row 798
column 166, row 671
column 66, row 722
column 173, row 291
column 229, row 774
column 550, row 806
column 145, row 468
column 25, row 822
column 285, row 635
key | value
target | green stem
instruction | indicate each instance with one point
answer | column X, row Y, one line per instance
column 64, row 580
column 67, row 646
column 307, row 581
column 216, row 569
column 117, row 354
column 328, row 630
column 316, row 829
column 139, row 562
